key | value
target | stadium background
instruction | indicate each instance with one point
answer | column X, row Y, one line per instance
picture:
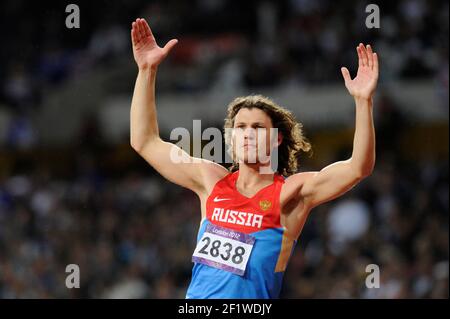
column 72, row 190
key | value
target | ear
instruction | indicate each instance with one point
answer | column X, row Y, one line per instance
column 280, row 138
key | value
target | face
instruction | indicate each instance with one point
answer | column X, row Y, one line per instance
column 251, row 136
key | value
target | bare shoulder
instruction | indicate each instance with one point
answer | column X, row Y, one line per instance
column 211, row 174
column 294, row 183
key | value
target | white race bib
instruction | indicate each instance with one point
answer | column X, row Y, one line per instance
column 224, row 249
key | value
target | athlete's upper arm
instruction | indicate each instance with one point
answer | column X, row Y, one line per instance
column 331, row 182
column 177, row 166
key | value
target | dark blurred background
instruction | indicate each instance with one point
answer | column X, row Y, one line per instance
column 72, row 190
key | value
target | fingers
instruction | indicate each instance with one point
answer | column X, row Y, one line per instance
column 365, row 60
column 366, row 57
column 170, row 45
column 133, row 37
column 134, row 33
column 140, row 28
column 146, row 28
column 360, row 58
column 375, row 63
column 346, row 74
column 370, row 56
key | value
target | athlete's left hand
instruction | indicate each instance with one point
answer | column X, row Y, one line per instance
column 365, row 82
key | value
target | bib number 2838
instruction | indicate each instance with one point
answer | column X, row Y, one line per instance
column 224, row 249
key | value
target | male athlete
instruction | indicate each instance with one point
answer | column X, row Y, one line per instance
column 250, row 221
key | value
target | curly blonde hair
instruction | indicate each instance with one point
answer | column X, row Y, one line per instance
column 293, row 141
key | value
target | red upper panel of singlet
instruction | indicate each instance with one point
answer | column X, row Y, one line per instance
column 227, row 207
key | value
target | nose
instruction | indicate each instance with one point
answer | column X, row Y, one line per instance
column 249, row 133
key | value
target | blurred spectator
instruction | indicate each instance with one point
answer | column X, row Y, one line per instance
column 348, row 221
column 21, row 133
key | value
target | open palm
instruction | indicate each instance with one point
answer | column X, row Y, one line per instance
column 147, row 53
column 365, row 82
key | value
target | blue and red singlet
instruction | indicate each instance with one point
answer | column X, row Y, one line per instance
column 242, row 249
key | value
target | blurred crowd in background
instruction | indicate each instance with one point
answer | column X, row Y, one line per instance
column 132, row 233
column 246, row 43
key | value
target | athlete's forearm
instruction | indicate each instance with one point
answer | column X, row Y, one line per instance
column 363, row 156
column 143, row 118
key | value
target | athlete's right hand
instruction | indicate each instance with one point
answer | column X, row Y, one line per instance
column 147, row 53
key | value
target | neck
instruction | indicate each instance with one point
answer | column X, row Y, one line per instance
column 249, row 176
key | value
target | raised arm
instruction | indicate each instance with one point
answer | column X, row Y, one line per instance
column 338, row 178
column 144, row 132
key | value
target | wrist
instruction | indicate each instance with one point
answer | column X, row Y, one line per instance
column 148, row 69
column 147, row 72
column 362, row 99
